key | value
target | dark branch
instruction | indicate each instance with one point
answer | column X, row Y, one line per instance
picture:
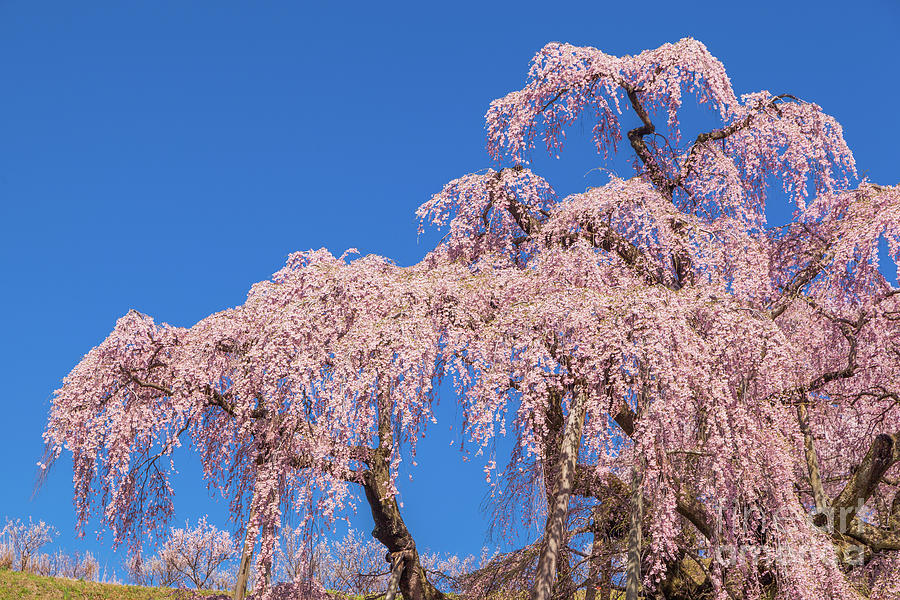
column 636, row 137
column 882, row 455
column 725, row 132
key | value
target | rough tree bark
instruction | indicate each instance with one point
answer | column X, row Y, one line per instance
column 882, row 455
column 599, row 583
column 390, row 529
column 552, row 443
column 812, row 460
column 243, row 574
column 894, row 521
column 396, row 571
column 635, row 535
column 557, row 512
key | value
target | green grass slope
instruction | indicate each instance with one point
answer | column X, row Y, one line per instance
column 24, row 586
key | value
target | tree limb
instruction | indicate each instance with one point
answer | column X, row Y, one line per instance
column 812, row 459
column 882, row 455
column 636, row 137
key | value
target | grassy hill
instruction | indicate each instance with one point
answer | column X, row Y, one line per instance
column 15, row 585
column 24, row 586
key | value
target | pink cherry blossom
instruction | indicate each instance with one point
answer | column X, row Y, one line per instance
column 655, row 347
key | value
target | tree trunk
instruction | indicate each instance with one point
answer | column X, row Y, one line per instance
column 552, row 441
column 812, row 460
column 633, row 572
column 606, row 581
column 599, row 582
column 396, row 570
column 894, row 521
column 594, row 566
column 557, row 512
column 243, row 574
column 391, row 531
column 267, row 563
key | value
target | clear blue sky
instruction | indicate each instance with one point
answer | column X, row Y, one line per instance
column 164, row 156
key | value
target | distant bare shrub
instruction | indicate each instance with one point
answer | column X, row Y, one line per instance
column 43, row 564
column 223, row 580
column 6, row 556
column 81, row 566
column 109, row 577
column 449, row 571
column 354, row 565
column 59, row 564
column 154, row 571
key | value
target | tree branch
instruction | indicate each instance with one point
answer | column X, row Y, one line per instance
column 636, row 137
column 725, row 132
column 806, row 275
column 882, row 455
column 876, row 538
column 605, row 239
column 812, row 459
column 588, row 484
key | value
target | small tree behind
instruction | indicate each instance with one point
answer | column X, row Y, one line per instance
column 59, row 564
column 152, row 572
column 193, row 555
column 353, row 565
column 199, row 552
column 25, row 540
column 356, row 564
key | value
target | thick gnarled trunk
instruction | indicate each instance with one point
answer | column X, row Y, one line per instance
column 635, row 539
column 391, row 531
column 599, row 580
column 554, row 534
column 243, row 574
